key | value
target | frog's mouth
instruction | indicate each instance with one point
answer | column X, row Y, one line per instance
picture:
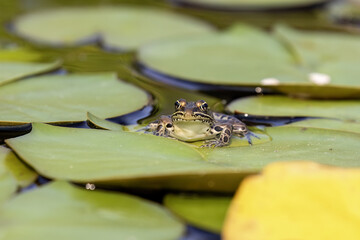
column 197, row 117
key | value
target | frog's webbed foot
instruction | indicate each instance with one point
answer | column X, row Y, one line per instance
column 241, row 130
column 212, row 144
column 248, row 136
column 161, row 127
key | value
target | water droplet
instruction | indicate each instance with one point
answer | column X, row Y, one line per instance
column 270, row 81
column 90, row 186
column 319, row 78
column 258, row 90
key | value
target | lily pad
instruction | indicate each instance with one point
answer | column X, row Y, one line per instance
column 296, row 200
column 285, row 106
column 117, row 27
column 231, row 57
column 205, row 212
column 252, row 4
column 67, row 98
column 10, row 71
column 61, row 211
column 330, row 124
column 146, row 161
column 314, row 48
column 13, row 174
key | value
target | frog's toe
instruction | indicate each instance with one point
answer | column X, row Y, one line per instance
column 209, row 144
column 248, row 136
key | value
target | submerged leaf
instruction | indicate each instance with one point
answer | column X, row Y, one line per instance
column 145, row 161
column 117, row 27
column 61, row 211
column 296, row 200
column 67, row 98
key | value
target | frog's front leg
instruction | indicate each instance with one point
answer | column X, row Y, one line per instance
column 223, row 134
column 162, row 127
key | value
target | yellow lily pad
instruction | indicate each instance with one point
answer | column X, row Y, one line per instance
column 296, row 200
column 67, row 98
column 61, row 211
column 135, row 160
column 122, row 27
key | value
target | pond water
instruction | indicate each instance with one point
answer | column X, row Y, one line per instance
column 163, row 88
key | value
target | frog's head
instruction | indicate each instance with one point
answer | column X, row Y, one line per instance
column 191, row 112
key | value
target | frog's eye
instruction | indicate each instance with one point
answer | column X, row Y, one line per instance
column 202, row 105
column 180, row 103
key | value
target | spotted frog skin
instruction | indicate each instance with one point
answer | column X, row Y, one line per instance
column 193, row 121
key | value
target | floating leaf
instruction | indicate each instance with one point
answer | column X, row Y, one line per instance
column 10, row 71
column 67, row 98
column 329, row 124
column 12, row 174
column 61, row 211
column 206, row 212
column 231, row 57
column 146, row 161
column 284, row 106
column 314, row 48
column 297, row 200
column 102, row 123
column 116, row 27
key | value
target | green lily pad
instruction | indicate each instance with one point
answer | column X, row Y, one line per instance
column 231, row 57
column 329, row 124
column 205, row 212
column 146, row 161
column 10, row 71
column 284, row 106
column 234, row 56
column 61, row 211
column 314, row 48
column 253, row 4
column 13, row 174
column 67, row 98
column 117, row 27
column 94, row 121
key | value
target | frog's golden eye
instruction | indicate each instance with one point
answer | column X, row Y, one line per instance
column 180, row 103
column 202, row 105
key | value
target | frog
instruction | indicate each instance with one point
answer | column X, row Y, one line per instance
column 194, row 121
